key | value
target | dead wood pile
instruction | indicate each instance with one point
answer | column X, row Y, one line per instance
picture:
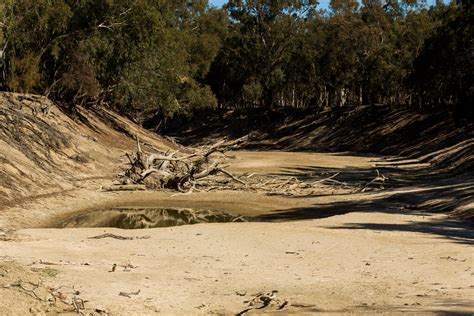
column 206, row 170
column 175, row 171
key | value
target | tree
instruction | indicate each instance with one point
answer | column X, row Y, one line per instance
column 261, row 37
column 443, row 71
column 157, row 58
column 145, row 57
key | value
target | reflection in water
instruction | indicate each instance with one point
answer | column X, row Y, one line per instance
column 145, row 217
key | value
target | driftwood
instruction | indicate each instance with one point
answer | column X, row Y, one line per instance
column 109, row 235
column 124, row 187
column 379, row 180
column 205, row 169
column 58, row 296
column 170, row 170
column 129, row 294
column 263, row 301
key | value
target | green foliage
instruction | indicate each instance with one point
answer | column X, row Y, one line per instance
column 146, row 57
column 262, row 34
column 287, row 53
column 24, row 74
column 444, row 71
column 153, row 58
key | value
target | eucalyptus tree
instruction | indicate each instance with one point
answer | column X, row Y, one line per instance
column 143, row 56
column 262, row 34
column 443, row 72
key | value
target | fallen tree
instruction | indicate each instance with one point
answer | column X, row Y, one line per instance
column 174, row 171
column 205, row 170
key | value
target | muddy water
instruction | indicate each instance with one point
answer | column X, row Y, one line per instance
column 146, row 217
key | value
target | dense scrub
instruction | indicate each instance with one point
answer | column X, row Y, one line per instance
column 142, row 56
column 152, row 59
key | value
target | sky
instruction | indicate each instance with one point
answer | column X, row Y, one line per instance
column 218, row 3
column 323, row 4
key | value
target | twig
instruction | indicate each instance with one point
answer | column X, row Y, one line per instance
column 327, row 179
column 30, row 292
column 129, row 294
column 109, row 235
column 231, row 176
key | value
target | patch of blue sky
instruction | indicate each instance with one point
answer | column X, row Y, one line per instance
column 323, row 4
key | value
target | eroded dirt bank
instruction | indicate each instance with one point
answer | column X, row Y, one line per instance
column 435, row 137
column 42, row 154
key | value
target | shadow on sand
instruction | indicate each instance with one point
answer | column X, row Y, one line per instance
column 408, row 191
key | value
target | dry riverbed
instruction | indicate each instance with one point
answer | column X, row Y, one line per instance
column 379, row 251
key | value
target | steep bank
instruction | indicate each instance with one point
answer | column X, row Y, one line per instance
column 45, row 151
column 437, row 138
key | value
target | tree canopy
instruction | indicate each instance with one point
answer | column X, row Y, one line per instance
column 149, row 58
